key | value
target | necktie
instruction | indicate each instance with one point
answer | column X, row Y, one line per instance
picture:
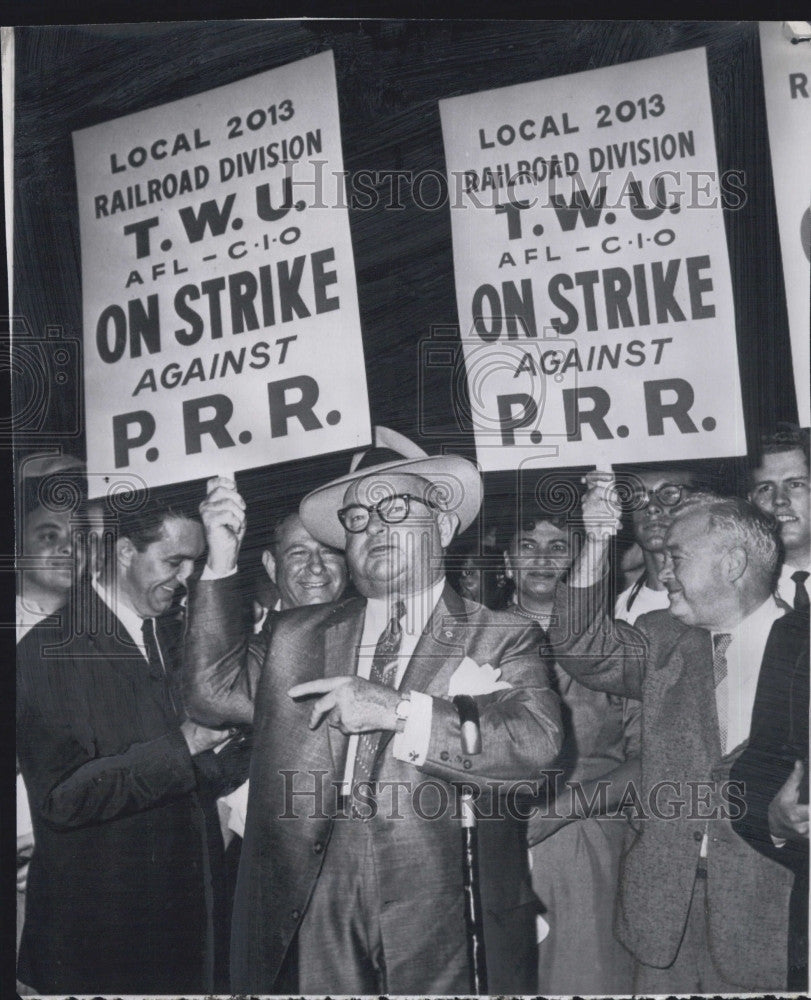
column 801, row 601
column 720, row 645
column 384, row 671
column 153, row 653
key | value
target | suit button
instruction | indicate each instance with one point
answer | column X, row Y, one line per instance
column 318, row 847
column 698, row 835
column 466, row 765
column 444, row 755
column 295, row 914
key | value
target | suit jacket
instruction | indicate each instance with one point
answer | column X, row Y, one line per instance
column 779, row 737
column 117, row 884
column 668, row 665
column 419, row 861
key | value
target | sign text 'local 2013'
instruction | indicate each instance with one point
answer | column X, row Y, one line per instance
column 216, row 303
column 591, row 267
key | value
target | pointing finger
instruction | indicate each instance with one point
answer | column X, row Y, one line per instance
column 320, row 686
column 322, row 707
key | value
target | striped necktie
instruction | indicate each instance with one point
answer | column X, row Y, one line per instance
column 720, row 645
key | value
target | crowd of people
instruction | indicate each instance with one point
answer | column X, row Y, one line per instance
column 246, row 776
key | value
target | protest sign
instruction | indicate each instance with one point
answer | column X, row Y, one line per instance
column 221, row 326
column 591, row 266
column 787, row 88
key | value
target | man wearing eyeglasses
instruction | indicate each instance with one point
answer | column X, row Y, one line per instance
column 359, row 890
column 656, row 494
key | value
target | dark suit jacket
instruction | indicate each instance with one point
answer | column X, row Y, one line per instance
column 419, row 861
column 117, row 885
column 779, row 737
column 668, row 666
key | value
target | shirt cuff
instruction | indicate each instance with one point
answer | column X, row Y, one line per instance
column 210, row 574
column 778, row 841
column 411, row 745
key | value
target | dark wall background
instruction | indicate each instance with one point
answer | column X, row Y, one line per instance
column 390, row 75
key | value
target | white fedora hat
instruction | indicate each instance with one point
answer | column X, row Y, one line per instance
column 457, row 484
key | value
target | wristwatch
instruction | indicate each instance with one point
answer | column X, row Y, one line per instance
column 402, row 711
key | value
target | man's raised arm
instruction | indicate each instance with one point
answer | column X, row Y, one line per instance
column 220, row 666
column 598, row 652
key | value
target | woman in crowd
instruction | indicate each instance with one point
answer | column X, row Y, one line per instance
column 575, row 853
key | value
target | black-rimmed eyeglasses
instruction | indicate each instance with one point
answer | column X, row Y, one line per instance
column 667, row 495
column 391, row 510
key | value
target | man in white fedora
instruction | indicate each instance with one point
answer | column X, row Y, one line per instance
column 351, row 877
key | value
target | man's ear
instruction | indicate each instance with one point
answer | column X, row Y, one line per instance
column 508, row 570
column 124, row 551
column 447, row 522
column 269, row 563
column 734, row 563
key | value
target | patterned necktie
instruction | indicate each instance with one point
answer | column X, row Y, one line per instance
column 384, row 671
column 801, row 601
column 720, row 645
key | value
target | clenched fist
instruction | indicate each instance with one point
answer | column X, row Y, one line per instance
column 223, row 516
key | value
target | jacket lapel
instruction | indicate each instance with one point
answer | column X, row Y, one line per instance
column 441, row 643
column 105, row 633
column 341, row 643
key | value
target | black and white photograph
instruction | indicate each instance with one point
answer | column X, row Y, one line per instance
column 410, row 451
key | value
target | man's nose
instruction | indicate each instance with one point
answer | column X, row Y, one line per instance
column 184, row 570
column 376, row 523
column 666, row 572
column 781, row 496
column 654, row 507
column 315, row 564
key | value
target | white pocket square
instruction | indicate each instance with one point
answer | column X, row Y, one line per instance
column 472, row 678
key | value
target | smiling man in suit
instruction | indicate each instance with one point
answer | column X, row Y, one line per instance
column 700, row 910
column 117, row 883
column 363, row 893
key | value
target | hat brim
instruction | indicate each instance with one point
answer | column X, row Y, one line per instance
column 457, row 482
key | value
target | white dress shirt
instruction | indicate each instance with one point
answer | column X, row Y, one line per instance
column 27, row 614
column 412, row 744
column 133, row 623
column 744, row 658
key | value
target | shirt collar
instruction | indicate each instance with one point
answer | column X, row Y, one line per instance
column 757, row 622
column 131, row 621
column 419, row 607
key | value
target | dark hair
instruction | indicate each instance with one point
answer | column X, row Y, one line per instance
column 531, row 521
column 276, row 529
column 496, row 589
column 789, row 438
column 145, row 526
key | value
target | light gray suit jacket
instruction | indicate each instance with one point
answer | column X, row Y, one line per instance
column 669, row 666
column 419, row 860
